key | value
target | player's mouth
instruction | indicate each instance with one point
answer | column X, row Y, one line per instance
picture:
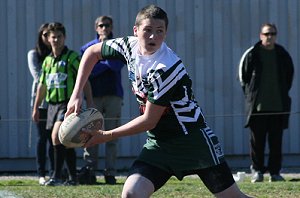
column 152, row 44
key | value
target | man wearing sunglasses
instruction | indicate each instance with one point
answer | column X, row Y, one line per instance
column 107, row 91
column 266, row 73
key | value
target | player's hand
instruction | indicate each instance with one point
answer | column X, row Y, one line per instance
column 95, row 137
column 74, row 105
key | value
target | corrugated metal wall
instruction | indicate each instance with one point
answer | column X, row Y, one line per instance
column 209, row 35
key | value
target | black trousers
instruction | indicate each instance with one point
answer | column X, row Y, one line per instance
column 263, row 127
column 44, row 140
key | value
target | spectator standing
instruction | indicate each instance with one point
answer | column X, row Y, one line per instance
column 179, row 141
column 35, row 59
column 107, row 91
column 266, row 73
column 59, row 71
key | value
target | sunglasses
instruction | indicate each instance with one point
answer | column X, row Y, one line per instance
column 269, row 34
column 104, row 25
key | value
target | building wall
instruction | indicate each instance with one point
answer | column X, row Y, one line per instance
column 209, row 35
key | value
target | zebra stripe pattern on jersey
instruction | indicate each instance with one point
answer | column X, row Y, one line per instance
column 213, row 143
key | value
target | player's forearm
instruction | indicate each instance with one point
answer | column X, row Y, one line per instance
column 136, row 126
column 145, row 122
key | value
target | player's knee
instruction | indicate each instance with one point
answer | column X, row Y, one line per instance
column 126, row 194
column 134, row 189
column 134, row 193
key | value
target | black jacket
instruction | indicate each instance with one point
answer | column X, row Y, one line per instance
column 250, row 70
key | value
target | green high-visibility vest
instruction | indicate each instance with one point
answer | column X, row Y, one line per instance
column 59, row 75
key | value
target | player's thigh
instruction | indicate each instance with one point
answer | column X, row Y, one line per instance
column 216, row 178
column 137, row 185
column 155, row 175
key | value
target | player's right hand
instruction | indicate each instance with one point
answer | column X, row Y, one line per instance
column 74, row 105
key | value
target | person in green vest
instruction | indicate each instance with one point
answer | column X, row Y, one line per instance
column 59, row 71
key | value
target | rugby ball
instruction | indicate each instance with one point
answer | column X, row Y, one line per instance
column 70, row 134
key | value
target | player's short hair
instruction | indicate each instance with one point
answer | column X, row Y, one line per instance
column 56, row 26
column 151, row 11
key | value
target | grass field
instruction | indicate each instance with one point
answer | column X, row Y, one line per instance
column 189, row 187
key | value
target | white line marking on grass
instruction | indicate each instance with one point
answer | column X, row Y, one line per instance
column 8, row 194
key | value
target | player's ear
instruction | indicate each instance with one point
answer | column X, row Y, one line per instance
column 135, row 30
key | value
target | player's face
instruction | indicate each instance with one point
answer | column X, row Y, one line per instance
column 56, row 40
column 151, row 33
column 268, row 37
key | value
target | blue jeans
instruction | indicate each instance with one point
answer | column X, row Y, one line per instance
column 44, row 136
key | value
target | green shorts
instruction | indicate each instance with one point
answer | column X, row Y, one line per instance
column 197, row 150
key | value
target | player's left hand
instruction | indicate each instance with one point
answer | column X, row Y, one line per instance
column 95, row 137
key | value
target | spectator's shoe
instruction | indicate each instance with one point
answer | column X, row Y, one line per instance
column 257, row 177
column 70, row 183
column 111, row 180
column 53, row 182
column 42, row 181
column 276, row 178
column 86, row 176
column 93, row 179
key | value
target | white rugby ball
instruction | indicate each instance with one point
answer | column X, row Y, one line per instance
column 70, row 134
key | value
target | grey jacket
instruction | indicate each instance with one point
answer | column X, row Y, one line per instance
column 35, row 68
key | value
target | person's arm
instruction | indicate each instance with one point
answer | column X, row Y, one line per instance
column 145, row 122
column 33, row 65
column 40, row 95
column 245, row 73
column 89, row 59
column 290, row 69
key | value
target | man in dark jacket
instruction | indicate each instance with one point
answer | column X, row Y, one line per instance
column 266, row 73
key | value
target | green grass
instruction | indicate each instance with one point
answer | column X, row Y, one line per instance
column 188, row 188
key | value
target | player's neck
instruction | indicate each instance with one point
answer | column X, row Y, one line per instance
column 57, row 51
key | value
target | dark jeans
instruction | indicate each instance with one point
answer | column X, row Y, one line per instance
column 263, row 127
column 44, row 136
